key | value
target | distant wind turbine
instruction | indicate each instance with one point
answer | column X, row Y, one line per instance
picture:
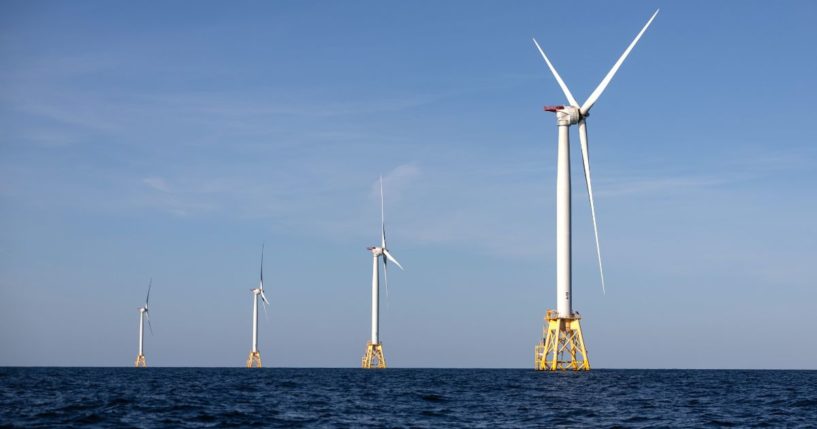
column 254, row 359
column 374, row 348
column 143, row 315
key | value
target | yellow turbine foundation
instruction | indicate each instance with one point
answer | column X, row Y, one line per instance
column 374, row 356
column 562, row 347
column 254, row 360
column 140, row 362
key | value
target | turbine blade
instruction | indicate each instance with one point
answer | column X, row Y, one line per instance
column 264, row 306
column 382, row 217
column 558, row 78
column 606, row 81
column 391, row 258
column 147, row 316
column 586, row 163
column 386, row 278
column 262, row 267
column 147, row 299
column 383, row 238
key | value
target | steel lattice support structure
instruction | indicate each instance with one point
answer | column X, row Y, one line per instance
column 562, row 347
column 140, row 361
column 254, row 360
column 374, row 356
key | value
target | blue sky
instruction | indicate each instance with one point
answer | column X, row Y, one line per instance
column 169, row 140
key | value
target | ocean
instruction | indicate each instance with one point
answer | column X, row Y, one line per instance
column 282, row 397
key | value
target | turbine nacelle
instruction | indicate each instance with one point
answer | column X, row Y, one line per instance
column 566, row 115
column 376, row 250
column 260, row 292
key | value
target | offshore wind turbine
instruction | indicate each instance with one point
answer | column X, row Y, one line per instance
column 254, row 359
column 373, row 358
column 143, row 315
column 562, row 346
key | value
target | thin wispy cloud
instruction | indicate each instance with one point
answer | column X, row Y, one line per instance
column 667, row 186
column 743, row 167
column 396, row 181
column 156, row 183
column 90, row 114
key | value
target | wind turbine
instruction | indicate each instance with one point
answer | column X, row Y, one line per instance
column 143, row 315
column 374, row 348
column 254, row 359
column 563, row 346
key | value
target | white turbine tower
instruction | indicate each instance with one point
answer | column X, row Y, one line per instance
column 143, row 315
column 374, row 348
column 563, row 346
column 254, row 359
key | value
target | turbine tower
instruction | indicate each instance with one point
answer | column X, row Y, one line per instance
column 143, row 315
column 373, row 358
column 562, row 346
column 254, row 359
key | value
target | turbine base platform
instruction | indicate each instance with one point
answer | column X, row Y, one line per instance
column 374, row 356
column 562, row 347
column 254, row 360
column 140, row 362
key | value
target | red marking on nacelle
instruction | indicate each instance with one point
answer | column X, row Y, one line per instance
column 553, row 108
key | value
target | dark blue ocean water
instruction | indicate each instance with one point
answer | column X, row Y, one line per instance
column 218, row 397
